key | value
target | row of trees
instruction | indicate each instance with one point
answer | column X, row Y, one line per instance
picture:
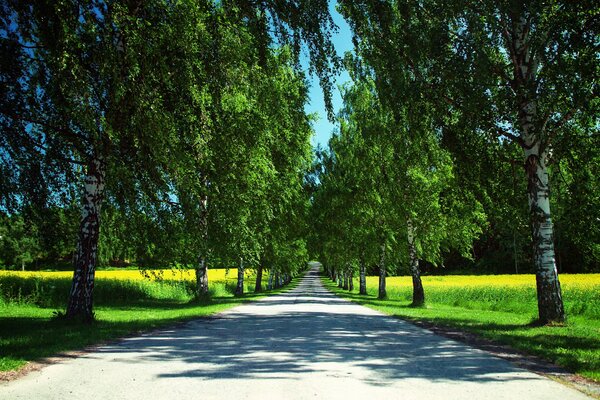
column 180, row 121
column 463, row 88
column 185, row 120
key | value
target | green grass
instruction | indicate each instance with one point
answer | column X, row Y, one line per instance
column 574, row 346
column 28, row 331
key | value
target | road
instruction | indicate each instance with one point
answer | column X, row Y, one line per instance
column 303, row 344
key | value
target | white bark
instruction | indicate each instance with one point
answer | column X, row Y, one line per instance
column 550, row 304
column 418, row 292
column 80, row 298
column 240, row 279
column 382, row 290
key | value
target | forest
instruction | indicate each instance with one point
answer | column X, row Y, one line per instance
column 173, row 134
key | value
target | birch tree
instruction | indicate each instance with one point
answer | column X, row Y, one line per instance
column 531, row 74
column 82, row 63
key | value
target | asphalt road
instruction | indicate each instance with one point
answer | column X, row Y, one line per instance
column 303, row 344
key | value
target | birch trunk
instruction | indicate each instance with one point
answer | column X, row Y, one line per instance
column 351, row 281
column 418, row 292
column 259, row 273
column 239, row 290
column 363, row 277
column 382, row 291
column 80, row 303
column 202, row 268
column 550, row 303
column 345, row 280
column 270, row 282
column 202, row 277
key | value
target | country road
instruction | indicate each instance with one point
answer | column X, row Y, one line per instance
column 303, row 344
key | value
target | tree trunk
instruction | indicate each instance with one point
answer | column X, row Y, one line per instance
column 270, row 282
column 340, row 280
column 345, row 280
column 259, row 273
column 382, row 291
column 363, row 277
column 202, row 268
column 239, row 290
column 550, row 303
column 202, row 277
column 418, row 293
column 80, row 303
column 22, row 265
column 351, row 281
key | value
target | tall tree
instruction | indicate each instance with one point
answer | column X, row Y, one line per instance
column 87, row 105
column 532, row 71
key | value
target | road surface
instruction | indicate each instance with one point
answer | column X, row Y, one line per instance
column 303, row 344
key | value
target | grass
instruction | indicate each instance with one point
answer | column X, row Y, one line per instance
column 503, row 313
column 28, row 331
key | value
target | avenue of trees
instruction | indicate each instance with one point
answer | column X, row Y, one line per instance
column 174, row 133
column 175, row 130
column 446, row 99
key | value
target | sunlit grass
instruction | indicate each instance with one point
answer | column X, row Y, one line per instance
column 125, row 302
column 513, row 293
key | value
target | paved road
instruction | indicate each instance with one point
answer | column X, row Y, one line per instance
column 304, row 344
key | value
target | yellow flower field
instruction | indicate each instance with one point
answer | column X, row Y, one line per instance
column 512, row 293
column 150, row 274
column 570, row 281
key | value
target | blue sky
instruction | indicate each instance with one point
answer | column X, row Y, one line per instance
column 343, row 42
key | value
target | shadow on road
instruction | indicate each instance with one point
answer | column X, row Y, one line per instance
column 309, row 330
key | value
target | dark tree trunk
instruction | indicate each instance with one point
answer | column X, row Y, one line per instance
column 80, row 303
column 259, row 273
column 270, row 282
column 277, row 281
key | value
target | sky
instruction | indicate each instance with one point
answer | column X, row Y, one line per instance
column 343, row 42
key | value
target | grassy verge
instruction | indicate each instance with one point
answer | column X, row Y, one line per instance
column 28, row 331
column 574, row 346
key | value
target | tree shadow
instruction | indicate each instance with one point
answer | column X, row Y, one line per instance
column 302, row 335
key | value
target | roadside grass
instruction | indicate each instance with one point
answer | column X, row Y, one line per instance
column 479, row 310
column 29, row 331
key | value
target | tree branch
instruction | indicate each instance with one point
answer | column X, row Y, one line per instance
column 565, row 118
column 502, row 132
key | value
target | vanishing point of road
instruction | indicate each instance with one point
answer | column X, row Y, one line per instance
column 302, row 344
